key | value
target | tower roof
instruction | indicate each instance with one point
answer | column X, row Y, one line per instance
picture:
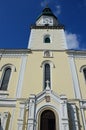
column 47, row 12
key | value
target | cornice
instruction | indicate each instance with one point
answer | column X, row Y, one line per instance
column 8, row 102
column 47, row 27
column 29, row 51
column 48, row 50
column 80, row 54
column 76, row 52
column 15, row 51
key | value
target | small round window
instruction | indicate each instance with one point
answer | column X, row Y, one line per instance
column 47, row 39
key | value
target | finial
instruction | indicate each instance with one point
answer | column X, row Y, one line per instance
column 46, row 5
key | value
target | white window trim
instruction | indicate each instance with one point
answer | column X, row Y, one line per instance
column 51, row 66
column 81, row 70
column 44, row 87
column 13, row 69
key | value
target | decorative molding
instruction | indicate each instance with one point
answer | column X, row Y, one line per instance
column 47, row 92
column 47, row 54
column 4, row 118
column 21, row 116
column 12, row 119
column 74, row 117
column 49, row 62
column 7, row 102
column 60, row 107
column 8, row 65
column 82, row 67
column 31, row 115
column 83, row 105
column 47, row 98
column 14, row 53
column 47, row 27
column 3, row 94
column 77, row 54
column 83, row 115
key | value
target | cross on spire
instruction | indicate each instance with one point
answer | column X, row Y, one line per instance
column 46, row 4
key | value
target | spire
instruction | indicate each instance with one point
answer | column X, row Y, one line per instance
column 47, row 18
column 47, row 12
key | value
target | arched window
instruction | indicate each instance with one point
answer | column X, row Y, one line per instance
column 47, row 75
column 0, row 125
column 84, row 71
column 47, row 39
column 5, row 79
column 0, row 122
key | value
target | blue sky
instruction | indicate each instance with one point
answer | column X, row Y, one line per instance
column 16, row 17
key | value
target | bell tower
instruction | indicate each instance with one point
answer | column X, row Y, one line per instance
column 47, row 33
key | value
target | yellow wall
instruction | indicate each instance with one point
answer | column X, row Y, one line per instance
column 60, row 75
column 32, row 83
column 79, row 62
column 12, row 86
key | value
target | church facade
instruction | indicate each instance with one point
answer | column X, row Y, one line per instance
column 43, row 87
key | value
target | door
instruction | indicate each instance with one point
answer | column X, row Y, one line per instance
column 47, row 120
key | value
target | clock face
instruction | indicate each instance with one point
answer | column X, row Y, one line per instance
column 47, row 20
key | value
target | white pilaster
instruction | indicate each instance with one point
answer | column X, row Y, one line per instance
column 64, row 114
column 73, row 114
column 83, row 106
column 21, row 116
column 76, row 86
column 31, row 116
column 75, row 117
column 21, row 77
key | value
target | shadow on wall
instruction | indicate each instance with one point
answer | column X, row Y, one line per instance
column 7, row 123
column 1, row 128
column 72, row 117
column 0, row 125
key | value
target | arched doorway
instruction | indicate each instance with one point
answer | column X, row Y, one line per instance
column 47, row 120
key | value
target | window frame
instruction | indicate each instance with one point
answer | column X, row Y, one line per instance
column 84, row 73
column 82, row 70
column 4, row 79
column 47, row 75
column 51, row 67
column 47, row 36
column 3, row 68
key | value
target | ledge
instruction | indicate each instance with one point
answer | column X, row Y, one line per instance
column 3, row 94
column 14, row 51
column 47, row 27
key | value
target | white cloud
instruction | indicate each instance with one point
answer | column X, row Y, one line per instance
column 72, row 40
column 58, row 10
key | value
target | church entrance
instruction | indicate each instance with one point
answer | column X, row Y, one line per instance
column 47, row 120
